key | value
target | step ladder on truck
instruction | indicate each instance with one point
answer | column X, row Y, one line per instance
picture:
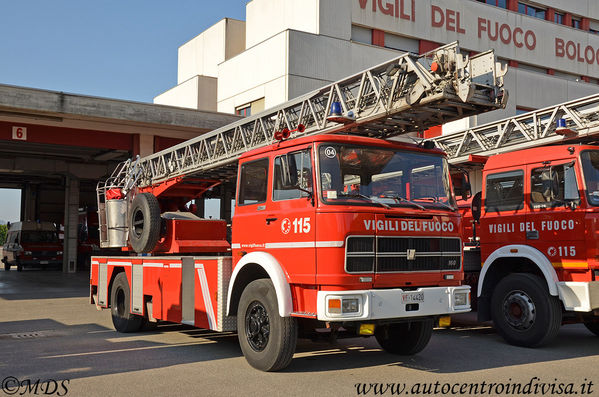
column 336, row 229
column 531, row 247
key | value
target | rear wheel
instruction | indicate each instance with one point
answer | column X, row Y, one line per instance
column 405, row 338
column 593, row 327
column 267, row 340
column 523, row 312
column 144, row 223
column 19, row 267
column 120, row 299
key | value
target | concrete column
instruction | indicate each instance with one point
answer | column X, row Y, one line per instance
column 71, row 219
column 29, row 202
column 146, row 145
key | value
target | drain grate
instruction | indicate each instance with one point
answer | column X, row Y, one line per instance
column 29, row 335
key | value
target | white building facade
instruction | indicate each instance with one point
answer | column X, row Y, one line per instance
column 286, row 48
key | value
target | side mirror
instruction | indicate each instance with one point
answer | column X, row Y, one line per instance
column 461, row 184
column 466, row 186
column 476, row 206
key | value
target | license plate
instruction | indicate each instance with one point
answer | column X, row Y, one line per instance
column 43, row 262
column 412, row 297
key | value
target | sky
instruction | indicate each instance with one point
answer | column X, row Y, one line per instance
column 123, row 49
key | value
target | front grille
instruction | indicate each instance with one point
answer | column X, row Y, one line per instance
column 391, row 254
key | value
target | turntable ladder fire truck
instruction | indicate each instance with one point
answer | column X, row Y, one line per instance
column 335, row 229
column 532, row 248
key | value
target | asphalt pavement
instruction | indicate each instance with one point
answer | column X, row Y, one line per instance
column 52, row 335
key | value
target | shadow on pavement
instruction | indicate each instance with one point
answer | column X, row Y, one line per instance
column 43, row 284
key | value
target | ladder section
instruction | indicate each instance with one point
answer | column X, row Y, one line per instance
column 409, row 93
column 576, row 120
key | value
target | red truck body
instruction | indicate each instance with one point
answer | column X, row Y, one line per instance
column 366, row 240
column 536, row 241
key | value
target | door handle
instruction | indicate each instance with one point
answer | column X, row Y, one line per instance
column 268, row 220
column 532, row 235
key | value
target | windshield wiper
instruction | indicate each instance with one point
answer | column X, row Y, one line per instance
column 404, row 200
column 360, row 195
column 437, row 201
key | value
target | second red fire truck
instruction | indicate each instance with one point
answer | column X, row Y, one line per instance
column 531, row 244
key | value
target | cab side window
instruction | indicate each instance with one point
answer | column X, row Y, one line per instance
column 555, row 185
column 505, row 191
column 292, row 176
column 253, row 182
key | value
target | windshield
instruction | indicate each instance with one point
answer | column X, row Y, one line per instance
column 39, row 237
column 590, row 167
column 364, row 175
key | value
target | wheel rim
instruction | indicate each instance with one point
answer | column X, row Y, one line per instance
column 120, row 302
column 257, row 326
column 138, row 222
column 519, row 310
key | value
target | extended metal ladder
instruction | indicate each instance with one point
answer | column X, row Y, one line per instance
column 399, row 96
column 579, row 118
column 407, row 94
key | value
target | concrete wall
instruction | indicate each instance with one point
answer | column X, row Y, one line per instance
column 267, row 18
column 521, row 38
column 202, row 54
column 311, row 61
column 256, row 73
column 199, row 92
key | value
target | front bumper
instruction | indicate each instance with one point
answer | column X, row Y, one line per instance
column 579, row 296
column 396, row 303
column 37, row 262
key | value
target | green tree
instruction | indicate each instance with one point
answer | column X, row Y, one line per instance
column 3, row 230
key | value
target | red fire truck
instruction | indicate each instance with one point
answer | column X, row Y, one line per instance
column 532, row 227
column 333, row 230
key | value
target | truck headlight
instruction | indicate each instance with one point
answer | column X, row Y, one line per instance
column 339, row 305
column 460, row 299
column 58, row 252
column 27, row 253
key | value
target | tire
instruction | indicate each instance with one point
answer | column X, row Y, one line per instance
column 144, row 223
column 267, row 340
column 6, row 264
column 120, row 298
column 404, row 338
column 523, row 312
column 19, row 267
column 593, row 327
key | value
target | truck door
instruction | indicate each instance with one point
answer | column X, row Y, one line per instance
column 556, row 227
column 503, row 219
column 280, row 220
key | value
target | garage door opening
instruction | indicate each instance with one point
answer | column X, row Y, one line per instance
column 10, row 205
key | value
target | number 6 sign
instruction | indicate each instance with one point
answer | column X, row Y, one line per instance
column 19, row 133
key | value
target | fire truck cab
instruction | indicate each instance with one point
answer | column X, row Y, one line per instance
column 536, row 239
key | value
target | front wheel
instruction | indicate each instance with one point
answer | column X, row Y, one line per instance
column 120, row 298
column 593, row 327
column 523, row 312
column 404, row 338
column 267, row 340
column 6, row 264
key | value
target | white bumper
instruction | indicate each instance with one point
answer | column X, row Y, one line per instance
column 579, row 296
column 395, row 303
